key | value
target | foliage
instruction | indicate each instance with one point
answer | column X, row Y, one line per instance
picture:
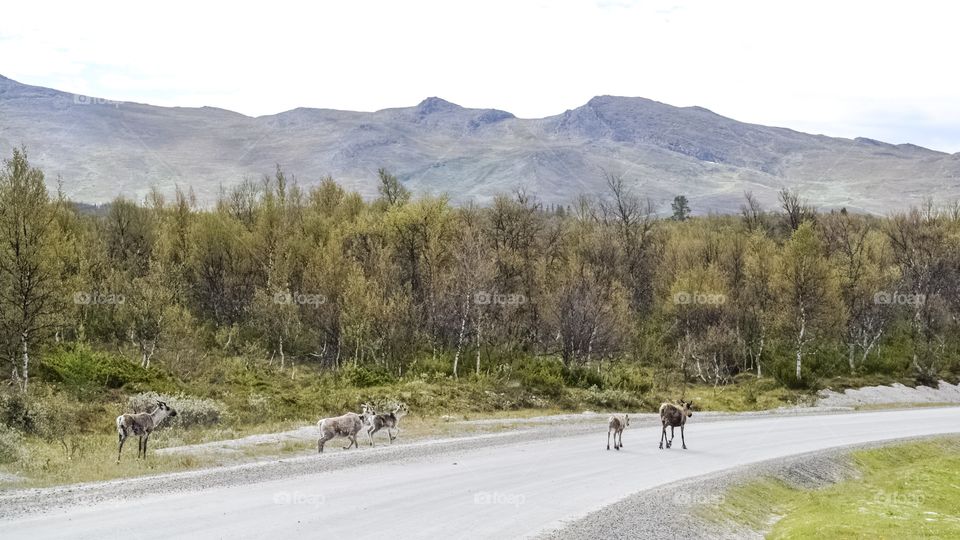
column 11, row 445
column 191, row 411
column 364, row 377
column 84, row 371
column 291, row 293
column 43, row 413
column 540, row 375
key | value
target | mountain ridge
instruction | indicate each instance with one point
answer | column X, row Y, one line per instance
column 102, row 148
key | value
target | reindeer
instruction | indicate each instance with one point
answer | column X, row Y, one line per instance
column 347, row 425
column 141, row 425
column 390, row 420
column 616, row 426
column 673, row 416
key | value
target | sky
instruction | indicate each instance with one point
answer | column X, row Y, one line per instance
column 884, row 70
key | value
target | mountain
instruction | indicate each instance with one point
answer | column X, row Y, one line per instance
column 101, row 148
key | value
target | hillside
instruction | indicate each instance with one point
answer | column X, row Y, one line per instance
column 101, row 148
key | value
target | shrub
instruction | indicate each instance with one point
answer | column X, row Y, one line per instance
column 45, row 414
column 11, row 445
column 540, row 374
column 784, row 371
column 258, row 405
column 619, row 400
column 19, row 412
column 582, row 377
column 191, row 411
column 626, row 376
column 431, row 365
column 365, row 377
column 83, row 370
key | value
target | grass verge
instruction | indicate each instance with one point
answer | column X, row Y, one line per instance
column 909, row 490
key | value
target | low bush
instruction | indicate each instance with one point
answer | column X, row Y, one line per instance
column 191, row 411
column 43, row 413
column 582, row 377
column 84, row 371
column 540, row 375
column 11, row 445
column 629, row 377
column 364, row 377
column 595, row 398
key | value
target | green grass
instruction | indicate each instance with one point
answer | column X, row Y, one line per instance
column 909, row 490
column 747, row 394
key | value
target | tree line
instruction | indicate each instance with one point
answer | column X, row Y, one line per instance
column 285, row 274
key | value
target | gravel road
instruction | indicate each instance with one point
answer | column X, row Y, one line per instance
column 505, row 485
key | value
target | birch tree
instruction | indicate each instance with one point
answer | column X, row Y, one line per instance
column 808, row 292
column 29, row 272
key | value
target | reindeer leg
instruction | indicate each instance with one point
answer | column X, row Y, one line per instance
column 663, row 436
column 370, row 434
column 123, row 437
column 322, row 441
column 145, row 440
column 608, row 440
column 681, row 437
column 670, row 442
column 621, row 438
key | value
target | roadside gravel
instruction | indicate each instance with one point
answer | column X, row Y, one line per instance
column 890, row 395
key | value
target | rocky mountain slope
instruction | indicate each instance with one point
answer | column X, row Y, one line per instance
column 101, row 148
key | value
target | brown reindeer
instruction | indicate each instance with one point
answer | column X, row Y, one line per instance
column 616, row 426
column 673, row 416
column 141, row 425
column 347, row 425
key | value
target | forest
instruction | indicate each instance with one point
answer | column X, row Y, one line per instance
column 320, row 280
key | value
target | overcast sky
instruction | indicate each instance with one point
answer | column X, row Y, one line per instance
column 886, row 70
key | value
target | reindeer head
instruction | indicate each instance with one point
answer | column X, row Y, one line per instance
column 401, row 410
column 626, row 420
column 166, row 409
column 367, row 412
column 686, row 407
